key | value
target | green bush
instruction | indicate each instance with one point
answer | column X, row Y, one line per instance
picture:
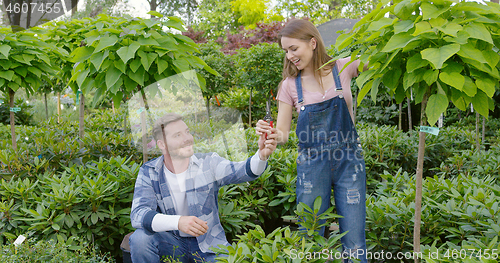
column 44, row 251
column 91, row 201
column 454, row 210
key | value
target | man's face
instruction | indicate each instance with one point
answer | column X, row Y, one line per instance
column 179, row 140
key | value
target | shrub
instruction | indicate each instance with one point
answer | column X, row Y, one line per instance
column 91, row 201
column 52, row 251
column 454, row 210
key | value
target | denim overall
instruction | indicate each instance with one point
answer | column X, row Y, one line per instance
column 330, row 153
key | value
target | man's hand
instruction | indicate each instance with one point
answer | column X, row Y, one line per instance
column 266, row 147
column 192, row 225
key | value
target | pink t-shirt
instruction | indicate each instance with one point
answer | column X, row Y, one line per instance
column 288, row 90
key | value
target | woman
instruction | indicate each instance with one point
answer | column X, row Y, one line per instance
column 330, row 153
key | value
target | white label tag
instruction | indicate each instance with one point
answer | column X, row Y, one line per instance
column 19, row 240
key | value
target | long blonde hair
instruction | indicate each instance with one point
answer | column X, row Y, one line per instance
column 305, row 30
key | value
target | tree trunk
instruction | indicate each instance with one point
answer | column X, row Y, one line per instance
column 410, row 123
column 484, row 131
column 208, row 107
column 250, row 110
column 81, row 121
column 400, row 115
column 12, row 120
column 144, row 103
column 74, row 7
column 494, row 1
column 58, row 107
column 144, row 133
column 152, row 6
column 46, row 106
column 477, row 131
column 418, row 185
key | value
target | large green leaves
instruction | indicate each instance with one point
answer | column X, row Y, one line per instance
column 437, row 56
column 449, row 48
column 436, row 105
column 128, row 52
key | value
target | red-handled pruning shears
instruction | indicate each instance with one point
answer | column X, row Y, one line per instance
column 268, row 116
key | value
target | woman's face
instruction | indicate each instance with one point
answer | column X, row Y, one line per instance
column 299, row 52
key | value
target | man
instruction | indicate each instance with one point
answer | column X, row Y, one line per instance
column 175, row 209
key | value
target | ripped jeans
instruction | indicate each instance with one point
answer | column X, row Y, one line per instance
column 341, row 165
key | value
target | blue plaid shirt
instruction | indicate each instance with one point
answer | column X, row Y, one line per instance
column 205, row 174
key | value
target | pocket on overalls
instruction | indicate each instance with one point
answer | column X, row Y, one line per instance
column 317, row 125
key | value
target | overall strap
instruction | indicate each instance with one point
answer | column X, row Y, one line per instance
column 336, row 77
column 298, row 85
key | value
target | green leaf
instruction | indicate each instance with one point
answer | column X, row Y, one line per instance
column 80, row 54
column 403, row 26
column 82, row 76
column 138, row 76
column 128, row 52
column 451, row 29
column 381, row 23
column 4, row 49
column 453, row 79
column 431, row 11
column 399, row 41
column 422, row 27
column 430, row 76
column 437, row 56
column 364, row 91
column 120, row 65
column 470, row 87
column 98, row 58
column 162, row 65
column 147, row 58
column 35, row 71
column 21, row 71
column 459, row 99
column 436, row 105
column 492, row 57
column 469, row 51
column 135, row 64
column 7, row 74
column 478, row 31
column 391, row 78
column 487, row 85
column 56, row 227
column 480, row 103
column 105, row 42
column 154, row 13
column 93, row 218
column 112, row 76
column 147, row 41
column 416, row 62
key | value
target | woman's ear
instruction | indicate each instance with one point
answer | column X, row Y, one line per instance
column 313, row 43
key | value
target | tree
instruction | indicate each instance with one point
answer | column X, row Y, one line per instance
column 260, row 70
column 122, row 56
column 217, row 17
column 25, row 60
column 442, row 50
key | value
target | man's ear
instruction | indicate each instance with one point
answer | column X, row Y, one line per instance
column 160, row 144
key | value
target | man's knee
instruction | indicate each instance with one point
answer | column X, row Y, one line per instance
column 141, row 238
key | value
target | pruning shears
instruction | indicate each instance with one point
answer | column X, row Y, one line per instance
column 268, row 118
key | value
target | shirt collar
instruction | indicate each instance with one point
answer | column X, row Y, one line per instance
column 158, row 162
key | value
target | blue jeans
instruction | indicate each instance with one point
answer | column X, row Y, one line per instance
column 149, row 247
column 330, row 154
